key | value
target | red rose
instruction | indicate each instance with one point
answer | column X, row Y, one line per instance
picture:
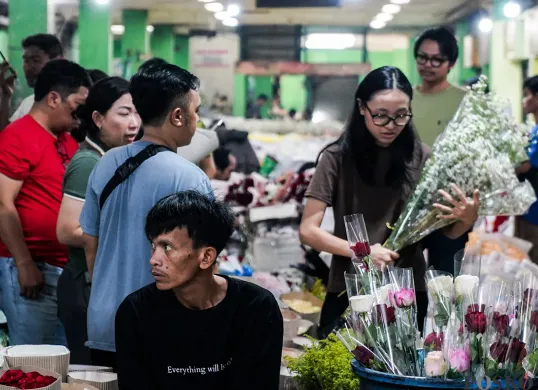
column 434, row 341
column 29, row 380
column 476, row 307
column 476, row 322
column 499, row 351
column 534, row 319
column 517, row 351
column 385, row 314
column 361, row 249
column 364, row 356
column 501, row 323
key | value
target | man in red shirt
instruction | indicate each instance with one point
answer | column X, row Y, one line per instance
column 34, row 152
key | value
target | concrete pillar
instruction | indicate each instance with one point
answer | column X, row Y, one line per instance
column 95, row 38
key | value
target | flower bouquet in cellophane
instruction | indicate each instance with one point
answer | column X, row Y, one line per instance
column 478, row 150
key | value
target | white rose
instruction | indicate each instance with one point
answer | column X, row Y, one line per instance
column 441, row 285
column 362, row 303
column 435, row 364
column 383, row 294
column 466, row 285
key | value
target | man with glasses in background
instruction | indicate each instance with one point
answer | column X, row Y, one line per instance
column 435, row 100
column 35, row 152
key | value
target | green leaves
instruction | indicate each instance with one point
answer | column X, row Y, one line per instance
column 326, row 365
column 442, row 316
column 491, row 367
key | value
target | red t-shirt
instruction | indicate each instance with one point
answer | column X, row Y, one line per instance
column 31, row 154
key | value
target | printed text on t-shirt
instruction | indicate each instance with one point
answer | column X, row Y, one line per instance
column 193, row 370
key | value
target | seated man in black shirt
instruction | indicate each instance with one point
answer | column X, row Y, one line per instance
column 193, row 329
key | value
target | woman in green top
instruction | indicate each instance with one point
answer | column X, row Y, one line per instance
column 108, row 119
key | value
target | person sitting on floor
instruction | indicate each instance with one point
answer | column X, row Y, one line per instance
column 192, row 329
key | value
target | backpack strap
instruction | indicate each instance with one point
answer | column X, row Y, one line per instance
column 127, row 168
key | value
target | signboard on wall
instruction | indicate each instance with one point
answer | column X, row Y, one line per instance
column 212, row 58
column 278, row 68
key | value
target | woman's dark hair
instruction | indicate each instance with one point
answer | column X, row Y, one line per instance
column 448, row 45
column 101, row 98
column 359, row 145
column 97, row 75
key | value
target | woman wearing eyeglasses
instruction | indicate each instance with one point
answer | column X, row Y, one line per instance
column 108, row 119
column 372, row 169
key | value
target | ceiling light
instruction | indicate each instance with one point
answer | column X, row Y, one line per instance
column 206, row 1
column 150, row 28
column 222, row 15
column 233, row 10
column 214, row 7
column 512, row 9
column 230, row 22
column 101, row 2
column 117, row 29
column 384, row 17
column 399, row 1
column 330, row 41
column 485, row 25
column 377, row 24
column 391, row 9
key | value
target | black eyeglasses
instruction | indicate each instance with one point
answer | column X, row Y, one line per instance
column 436, row 62
column 62, row 151
column 383, row 120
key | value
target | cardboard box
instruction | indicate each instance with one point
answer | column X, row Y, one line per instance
column 77, row 386
column 100, row 380
column 53, row 358
column 54, row 386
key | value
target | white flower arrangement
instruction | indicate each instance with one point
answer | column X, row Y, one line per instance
column 478, row 150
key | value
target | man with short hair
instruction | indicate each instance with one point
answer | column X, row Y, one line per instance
column 38, row 49
column 434, row 104
column 191, row 329
column 435, row 100
column 34, row 153
column 167, row 100
column 225, row 162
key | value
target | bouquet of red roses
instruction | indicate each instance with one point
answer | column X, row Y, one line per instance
column 26, row 380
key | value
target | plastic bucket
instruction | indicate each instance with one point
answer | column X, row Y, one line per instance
column 375, row 380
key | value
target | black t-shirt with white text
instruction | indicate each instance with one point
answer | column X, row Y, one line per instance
column 161, row 344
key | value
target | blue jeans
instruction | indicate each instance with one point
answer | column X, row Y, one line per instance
column 31, row 321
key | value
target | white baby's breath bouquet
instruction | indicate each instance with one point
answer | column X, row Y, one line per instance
column 478, row 150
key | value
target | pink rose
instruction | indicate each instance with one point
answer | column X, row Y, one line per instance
column 459, row 359
column 405, row 297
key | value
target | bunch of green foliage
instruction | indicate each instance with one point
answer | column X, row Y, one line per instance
column 325, row 365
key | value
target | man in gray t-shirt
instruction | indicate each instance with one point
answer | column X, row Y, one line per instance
column 117, row 249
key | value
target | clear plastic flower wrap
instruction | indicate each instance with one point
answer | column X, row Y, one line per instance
column 478, row 150
column 440, row 287
column 529, row 322
column 403, row 297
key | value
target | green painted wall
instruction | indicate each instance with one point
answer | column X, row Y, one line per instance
column 240, row 95
column 135, row 38
column 95, row 40
column 116, row 48
column 263, row 85
column 4, row 45
column 163, row 42
column 181, row 51
column 23, row 23
column 293, row 92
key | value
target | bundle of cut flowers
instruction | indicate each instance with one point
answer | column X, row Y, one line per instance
column 257, row 191
column 478, row 150
column 26, row 380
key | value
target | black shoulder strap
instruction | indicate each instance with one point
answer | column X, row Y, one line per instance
column 127, row 168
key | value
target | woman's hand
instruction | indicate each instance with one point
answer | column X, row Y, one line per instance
column 463, row 209
column 381, row 256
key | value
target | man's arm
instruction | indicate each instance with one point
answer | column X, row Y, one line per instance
column 90, row 250
column 68, row 227
column 132, row 366
column 259, row 360
column 30, row 278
